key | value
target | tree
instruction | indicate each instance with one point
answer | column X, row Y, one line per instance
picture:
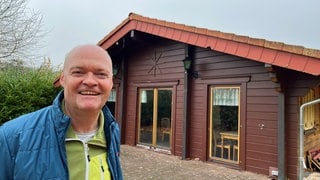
column 20, row 31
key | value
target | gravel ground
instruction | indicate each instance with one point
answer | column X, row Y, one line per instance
column 138, row 163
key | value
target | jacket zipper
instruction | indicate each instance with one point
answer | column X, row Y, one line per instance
column 101, row 168
column 87, row 157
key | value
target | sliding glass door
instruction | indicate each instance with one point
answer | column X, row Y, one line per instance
column 155, row 106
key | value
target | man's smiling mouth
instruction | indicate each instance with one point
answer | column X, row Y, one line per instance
column 91, row 93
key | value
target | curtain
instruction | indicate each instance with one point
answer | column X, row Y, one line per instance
column 226, row 96
column 112, row 96
column 144, row 96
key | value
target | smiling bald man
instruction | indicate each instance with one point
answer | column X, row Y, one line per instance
column 76, row 137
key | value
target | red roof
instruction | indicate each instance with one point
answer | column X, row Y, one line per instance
column 280, row 54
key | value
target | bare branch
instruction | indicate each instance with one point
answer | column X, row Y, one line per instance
column 20, row 31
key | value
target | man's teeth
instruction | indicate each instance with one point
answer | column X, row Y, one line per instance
column 88, row 93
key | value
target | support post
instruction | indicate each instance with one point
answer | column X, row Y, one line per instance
column 281, row 136
column 185, row 115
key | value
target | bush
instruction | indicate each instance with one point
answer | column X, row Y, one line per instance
column 24, row 90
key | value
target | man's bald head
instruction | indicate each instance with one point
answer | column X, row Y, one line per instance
column 87, row 51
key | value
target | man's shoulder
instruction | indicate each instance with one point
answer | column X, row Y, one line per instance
column 27, row 121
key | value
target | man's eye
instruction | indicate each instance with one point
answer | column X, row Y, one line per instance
column 102, row 75
column 77, row 72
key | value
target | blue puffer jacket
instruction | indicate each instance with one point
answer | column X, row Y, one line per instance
column 32, row 146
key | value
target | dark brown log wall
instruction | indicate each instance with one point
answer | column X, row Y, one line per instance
column 259, row 101
column 169, row 72
column 258, row 106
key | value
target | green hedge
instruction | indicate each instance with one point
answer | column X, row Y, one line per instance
column 24, row 90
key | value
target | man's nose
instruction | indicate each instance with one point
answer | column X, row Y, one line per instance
column 90, row 80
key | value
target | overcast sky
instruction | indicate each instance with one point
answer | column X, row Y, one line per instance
column 75, row 22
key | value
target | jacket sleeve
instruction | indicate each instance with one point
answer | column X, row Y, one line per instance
column 6, row 170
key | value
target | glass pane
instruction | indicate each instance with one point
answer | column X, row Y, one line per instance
column 226, row 96
column 111, row 103
column 164, row 118
column 224, row 123
column 146, row 116
column 112, row 96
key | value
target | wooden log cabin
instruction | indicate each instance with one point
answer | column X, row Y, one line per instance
column 220, row 97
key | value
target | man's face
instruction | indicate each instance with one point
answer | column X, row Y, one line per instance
column 87, row 80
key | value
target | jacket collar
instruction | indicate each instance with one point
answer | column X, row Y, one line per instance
column 62, row 121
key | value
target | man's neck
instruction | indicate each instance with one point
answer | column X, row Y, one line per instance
column 83, row 122
column 84, row 126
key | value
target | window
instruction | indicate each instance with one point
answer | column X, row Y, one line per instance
column 224, row 123
column 111, row 103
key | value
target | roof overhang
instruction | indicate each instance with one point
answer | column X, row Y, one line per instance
column 280, row 54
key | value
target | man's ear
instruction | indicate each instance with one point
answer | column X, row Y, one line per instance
column 61, row 79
